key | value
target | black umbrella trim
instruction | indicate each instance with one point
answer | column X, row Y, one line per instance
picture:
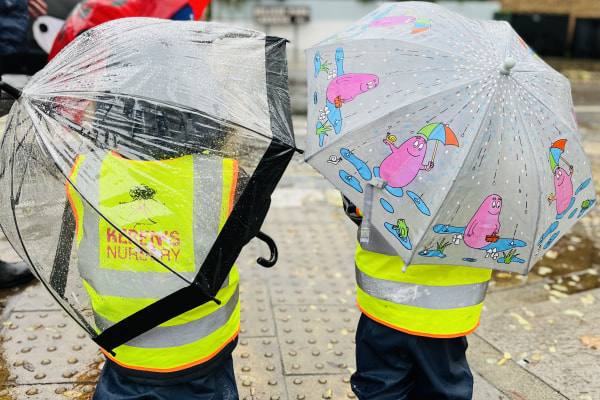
column 242, row 225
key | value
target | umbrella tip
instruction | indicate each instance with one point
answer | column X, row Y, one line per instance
column 11, row 90
column 507, row 65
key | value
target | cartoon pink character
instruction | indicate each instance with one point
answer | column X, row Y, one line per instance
column 483, row 228
column 563, row 186
column 346, row 87
column 387, row 22
column 401, row 167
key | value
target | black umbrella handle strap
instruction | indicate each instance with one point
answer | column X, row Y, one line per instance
column 155, row 314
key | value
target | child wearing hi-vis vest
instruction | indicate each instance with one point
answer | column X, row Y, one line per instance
column 174, row 208
column 411, row 336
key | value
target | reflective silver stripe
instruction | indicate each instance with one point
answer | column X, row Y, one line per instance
column 208, row 200
column 88, row 249
column 134, row 285
column 422, row 296
column 179, row 335
column 377, row 243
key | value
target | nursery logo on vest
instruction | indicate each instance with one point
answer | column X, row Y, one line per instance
column 148, row 229
column 163, row 245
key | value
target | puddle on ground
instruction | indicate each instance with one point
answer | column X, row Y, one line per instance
column 84, row 388
column 4, row 375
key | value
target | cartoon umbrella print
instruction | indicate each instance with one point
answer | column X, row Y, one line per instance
column 440, row 133
column 421, row 25
column 556, row 151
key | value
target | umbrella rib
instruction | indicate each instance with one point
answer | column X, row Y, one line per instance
column 81, row 322
column 17, row 145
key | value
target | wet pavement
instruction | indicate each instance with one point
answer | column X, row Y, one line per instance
column 539, row 337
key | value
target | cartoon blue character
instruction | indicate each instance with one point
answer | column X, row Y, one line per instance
column 359, row 164
column 351, row 181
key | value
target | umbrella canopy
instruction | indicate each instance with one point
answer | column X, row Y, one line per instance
column 169, row 137
column 90, row 13
column 445, row 125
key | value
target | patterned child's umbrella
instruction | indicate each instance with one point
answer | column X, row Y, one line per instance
column 148, row 145
column 490, row 192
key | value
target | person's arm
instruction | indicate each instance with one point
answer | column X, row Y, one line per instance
column 376, row 243
column 36, row 8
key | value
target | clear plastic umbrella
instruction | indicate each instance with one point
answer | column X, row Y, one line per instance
column 147, row 146
column 455, row 139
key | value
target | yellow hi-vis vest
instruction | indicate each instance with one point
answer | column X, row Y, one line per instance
column 427, row 300
column 157, row 203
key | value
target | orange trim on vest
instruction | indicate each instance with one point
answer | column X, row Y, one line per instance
column 234, row 179
column 174, row 369
column 115, row 154
column 419, row 333
column 75, row 166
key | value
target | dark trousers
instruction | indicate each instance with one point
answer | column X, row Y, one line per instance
column 218, row 385
column 392, row 365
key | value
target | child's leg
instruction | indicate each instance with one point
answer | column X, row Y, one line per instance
column 218, row 385
column 384, row 366
column 441, row 369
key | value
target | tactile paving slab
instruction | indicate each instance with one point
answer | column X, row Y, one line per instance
column 316, row 339
column 315, row 387
column 46, row 355
column 258, row 369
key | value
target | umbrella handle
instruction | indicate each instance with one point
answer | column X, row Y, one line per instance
column 565, row 161
column 272, row 247
column 434, row 151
